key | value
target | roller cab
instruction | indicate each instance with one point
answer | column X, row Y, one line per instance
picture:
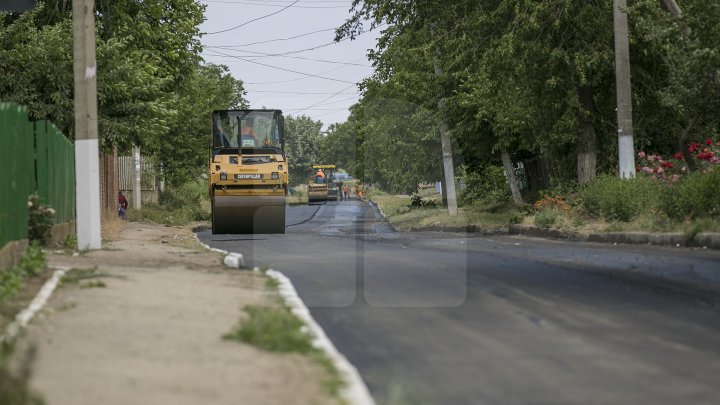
column 321, row 183
column 248, row 172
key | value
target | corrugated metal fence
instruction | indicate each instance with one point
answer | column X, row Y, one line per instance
column 34, row 157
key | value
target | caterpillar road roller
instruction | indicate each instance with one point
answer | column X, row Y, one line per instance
column 321, row 183
column 248, row 172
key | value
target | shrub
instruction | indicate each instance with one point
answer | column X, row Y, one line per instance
column 486, row 188
column 695, row 195
column 416, row 201
column 40, row 220
column 547, row 217
column 178, row 205
column 621, row 199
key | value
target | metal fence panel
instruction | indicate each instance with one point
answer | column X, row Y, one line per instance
column 17, row 171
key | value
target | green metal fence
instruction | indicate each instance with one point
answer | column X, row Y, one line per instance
column 55, row 170
column 34, row 157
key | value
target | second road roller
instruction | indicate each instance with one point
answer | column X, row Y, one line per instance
column 248, row 172
column 321, row 183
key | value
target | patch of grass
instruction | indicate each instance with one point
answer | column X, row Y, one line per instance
column 272, row 283
column 398, row 211
column 273, row 329
column 93, row 284
column 111, row 227
column 80, row 276
column 32, row 263
column 178, row 206
column 277, row 329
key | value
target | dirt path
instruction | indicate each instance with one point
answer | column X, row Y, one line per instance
column 153, row 334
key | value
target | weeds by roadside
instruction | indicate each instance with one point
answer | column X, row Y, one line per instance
column 277, row 329
column 32, row 263
column 84, row 278
column 178, row 206
column 406, row 213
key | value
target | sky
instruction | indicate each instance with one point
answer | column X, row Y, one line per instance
column 297, row 68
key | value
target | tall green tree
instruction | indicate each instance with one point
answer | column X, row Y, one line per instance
column 302, row 146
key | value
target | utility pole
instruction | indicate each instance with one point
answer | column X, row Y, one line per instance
column 87, row 166
column 137, row 188
column 626, row 149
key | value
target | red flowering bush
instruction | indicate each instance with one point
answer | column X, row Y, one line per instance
column 669, row 170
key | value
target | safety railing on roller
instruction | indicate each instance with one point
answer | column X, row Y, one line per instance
column 35, row 157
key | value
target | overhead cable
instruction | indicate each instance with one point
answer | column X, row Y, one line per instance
column 284, row 69
column 253, row 20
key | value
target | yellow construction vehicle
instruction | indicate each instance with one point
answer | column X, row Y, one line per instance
column 321, row 183
column 248, row 172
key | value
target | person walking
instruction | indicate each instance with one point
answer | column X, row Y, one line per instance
column 123, row 205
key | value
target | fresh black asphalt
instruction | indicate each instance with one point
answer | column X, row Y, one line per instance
column 449, row 318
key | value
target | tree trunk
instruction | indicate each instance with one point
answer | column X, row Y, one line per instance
column 510, row 174
column 672, row 7
column 446, row 143
column 587, row 144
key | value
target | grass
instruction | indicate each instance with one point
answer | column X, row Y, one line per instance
column 277, row 329
column 84, row 278
column 402, row 216
column 111, row 227
column 32, row 263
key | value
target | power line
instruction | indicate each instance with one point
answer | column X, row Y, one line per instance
column 323, row 104
column 271, row 5
column 285, row 69
column 273, row 40
column 254, row 19
column 324, row 100
column 267, row 55
column 294, row 92
column 228, row 48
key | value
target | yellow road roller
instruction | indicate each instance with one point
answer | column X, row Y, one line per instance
column 321, row 183
column 248, row 172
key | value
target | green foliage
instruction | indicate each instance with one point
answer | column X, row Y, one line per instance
column 153, row 89
column 487, row 188
column 302, row 146
column 178, row 206
column 274, row 329
column 40, row 220
column 547, row 217
column 31, row 264
column 619, row 199
column 694, row 196
column 417, row 201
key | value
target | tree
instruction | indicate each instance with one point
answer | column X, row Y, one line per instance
column 302, row 146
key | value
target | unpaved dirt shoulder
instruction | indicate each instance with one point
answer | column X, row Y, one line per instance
column 153, row 333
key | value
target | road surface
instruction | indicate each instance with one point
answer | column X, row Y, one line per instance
column 449, row 318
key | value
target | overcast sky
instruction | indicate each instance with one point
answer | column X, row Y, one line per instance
column 268, row 78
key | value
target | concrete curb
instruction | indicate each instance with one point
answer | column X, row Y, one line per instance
column 355, row 392
column 23, row 318
column 374, row 204
column 704, row 239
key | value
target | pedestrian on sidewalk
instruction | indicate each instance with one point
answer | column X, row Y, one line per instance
column 123, row 204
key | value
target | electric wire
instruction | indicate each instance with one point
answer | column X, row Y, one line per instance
column 284, row 69
column 253, row 20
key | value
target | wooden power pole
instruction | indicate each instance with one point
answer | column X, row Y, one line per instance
column 87, row 166
column 626, row 149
